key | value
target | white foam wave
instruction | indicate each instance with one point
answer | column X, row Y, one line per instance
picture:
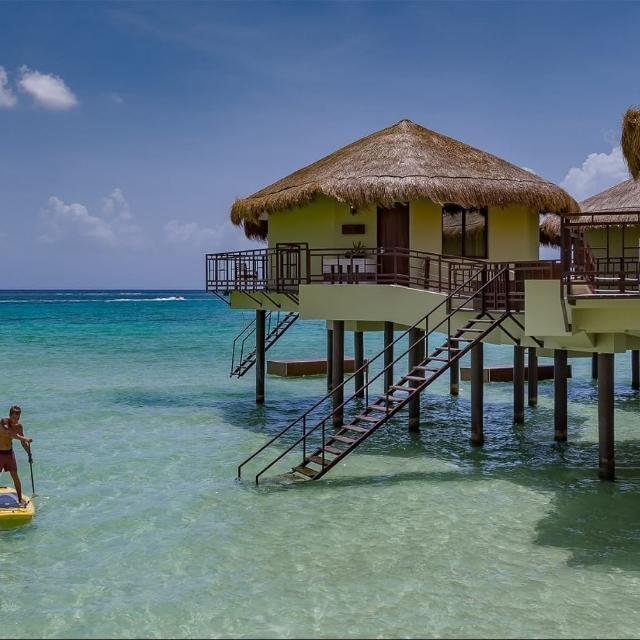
column 169, row 299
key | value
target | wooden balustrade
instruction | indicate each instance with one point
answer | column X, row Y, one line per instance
column 285, row 267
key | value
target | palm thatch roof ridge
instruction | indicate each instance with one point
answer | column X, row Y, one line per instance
column 620, row 203
column 630, row 140
column 402, row 163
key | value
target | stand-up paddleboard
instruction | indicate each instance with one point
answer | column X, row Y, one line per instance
column 11, row 513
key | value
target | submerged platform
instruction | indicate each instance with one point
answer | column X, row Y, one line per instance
column 504, row 373
column 304, row 367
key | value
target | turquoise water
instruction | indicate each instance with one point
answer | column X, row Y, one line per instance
column 142, row 530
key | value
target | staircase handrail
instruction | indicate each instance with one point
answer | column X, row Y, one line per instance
column 249, row 329
column 365, row 367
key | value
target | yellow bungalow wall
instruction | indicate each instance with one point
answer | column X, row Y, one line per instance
column 512, row 231
column 513, row 234
column 425, row 226
column 597, row 239
column 320, row 224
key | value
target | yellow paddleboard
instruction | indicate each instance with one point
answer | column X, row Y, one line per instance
column 12, row 515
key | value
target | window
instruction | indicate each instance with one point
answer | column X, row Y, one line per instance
column 464, row 231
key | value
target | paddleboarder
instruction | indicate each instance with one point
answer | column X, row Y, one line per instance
column 11, row 429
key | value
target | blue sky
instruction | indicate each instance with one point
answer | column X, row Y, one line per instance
column 128, row 129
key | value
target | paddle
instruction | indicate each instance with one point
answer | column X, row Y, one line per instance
column 33, row 489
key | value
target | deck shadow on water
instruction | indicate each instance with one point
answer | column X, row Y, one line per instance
column 597, row 522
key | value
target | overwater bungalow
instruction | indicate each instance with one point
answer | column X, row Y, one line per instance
column 607, row 240
column 435, row 244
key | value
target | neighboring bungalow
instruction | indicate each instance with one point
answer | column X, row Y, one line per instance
column 407, row 229
column 609, row 232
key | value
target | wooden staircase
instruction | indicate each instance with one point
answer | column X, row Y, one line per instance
column 340, row 444
column 241, row 362
column 323, row 446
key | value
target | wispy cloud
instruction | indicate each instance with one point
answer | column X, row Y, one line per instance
column 598, row 172
column 117, row 98
column 49, row 91
column 111, row 228
column 195, row 235
column 7, row 98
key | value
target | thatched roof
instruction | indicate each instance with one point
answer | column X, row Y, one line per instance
column 616, row 204
column 550, row 230
column 405, row 162
column 630, row 140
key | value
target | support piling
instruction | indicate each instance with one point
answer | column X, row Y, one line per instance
column 560, row 395
column 532, row 377
column 358, row 354
column 635, row 369
column 260, row 354
column 388, row 354
column 477, row 394
column 338, row 372
column 518, row 384
column 416, row 356
column 454, row 372
column 329, row 359
column 607, row 468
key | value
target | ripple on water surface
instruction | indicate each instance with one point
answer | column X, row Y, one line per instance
column 142, row 530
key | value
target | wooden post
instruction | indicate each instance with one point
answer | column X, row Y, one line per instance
column 518, row 384
column 416, row 355
column 635, row 369
column 532, row 376
column 329, row 359
column 594, row 366
column 607, row 467
column 560, row 394
column 454, row 372
column 338, row 371
column 358, row 356
column 477, row 394
column 388, row 354
column 260, row 351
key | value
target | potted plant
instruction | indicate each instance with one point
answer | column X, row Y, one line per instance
column 358, row 250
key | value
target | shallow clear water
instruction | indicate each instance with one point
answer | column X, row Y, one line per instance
column 142, row 530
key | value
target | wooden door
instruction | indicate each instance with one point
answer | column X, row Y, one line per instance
column 393, row 243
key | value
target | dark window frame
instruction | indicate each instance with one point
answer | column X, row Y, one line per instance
column 450, row 208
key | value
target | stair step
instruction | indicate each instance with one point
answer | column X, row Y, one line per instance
column 447, row 349
column 399, row 388
column 333, row 450
column 423, row 368
column 391, row 398
column 318, row 460
column 365, row 419
column 480, row 321
column 352, row 427
column 470, row 331
column 305, row 471
column 379, row 407
column 342, row 439
column 416, row 378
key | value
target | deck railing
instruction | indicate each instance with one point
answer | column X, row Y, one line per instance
column 599, row 271
column 283, row 268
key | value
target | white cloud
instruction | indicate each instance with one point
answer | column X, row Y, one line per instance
column 598, row 172
column 115, row 206
column 7, row 99
column 117, row 98
column 194, row 234
column 47, row 90
column 112, row 228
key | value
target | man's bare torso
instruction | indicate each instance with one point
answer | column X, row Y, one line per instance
column 5, row 433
